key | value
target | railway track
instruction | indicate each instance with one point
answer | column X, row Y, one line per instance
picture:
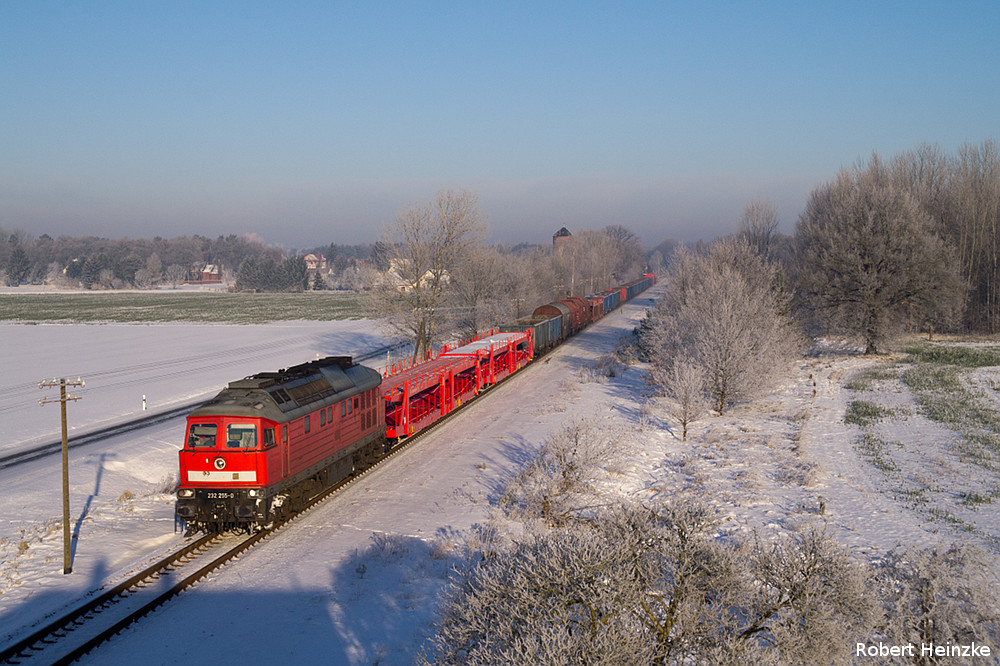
column 80, row 630
column 77, row 441
column 77, row 632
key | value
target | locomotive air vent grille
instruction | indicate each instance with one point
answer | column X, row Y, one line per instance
column 307, row 391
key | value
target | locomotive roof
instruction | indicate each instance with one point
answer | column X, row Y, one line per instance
column 292, row 392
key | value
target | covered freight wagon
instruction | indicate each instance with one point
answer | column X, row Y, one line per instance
column 575, row 312
column 559, row 310
column 546, row 330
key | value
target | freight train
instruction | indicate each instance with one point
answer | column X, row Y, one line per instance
column 266, row 444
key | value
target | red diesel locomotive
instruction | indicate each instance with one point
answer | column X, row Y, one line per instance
column 266, row 443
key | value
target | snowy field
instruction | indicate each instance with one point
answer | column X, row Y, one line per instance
column 357, row 580
column 168, row 364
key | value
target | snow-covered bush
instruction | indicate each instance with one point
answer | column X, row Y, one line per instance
column 561, row 484
column 940, row 595
column 641, row 585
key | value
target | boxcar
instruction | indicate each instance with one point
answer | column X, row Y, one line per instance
column 580, row 313
column 557, row 309
column 546, row 330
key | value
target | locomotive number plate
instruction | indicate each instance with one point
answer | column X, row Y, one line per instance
column 220, row 495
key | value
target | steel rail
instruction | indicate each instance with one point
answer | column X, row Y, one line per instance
column 19, row 650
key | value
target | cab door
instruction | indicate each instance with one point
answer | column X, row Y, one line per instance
column 273, row 456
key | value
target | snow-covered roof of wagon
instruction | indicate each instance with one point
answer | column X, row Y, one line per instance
column 292, row 392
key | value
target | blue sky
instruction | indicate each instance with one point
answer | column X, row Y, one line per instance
column 316, row 122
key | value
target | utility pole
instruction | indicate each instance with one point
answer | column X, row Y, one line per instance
column 62, row 400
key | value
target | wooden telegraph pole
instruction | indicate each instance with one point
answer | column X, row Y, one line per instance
column 62, row 400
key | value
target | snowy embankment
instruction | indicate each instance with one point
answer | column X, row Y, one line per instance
column 358, row 579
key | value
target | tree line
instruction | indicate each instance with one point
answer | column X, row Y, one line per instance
column 100, row 263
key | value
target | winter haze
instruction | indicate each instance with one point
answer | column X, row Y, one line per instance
column 316, row 123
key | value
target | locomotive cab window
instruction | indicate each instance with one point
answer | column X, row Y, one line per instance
column 269, row 438
column 241, row 436
column 202, row 435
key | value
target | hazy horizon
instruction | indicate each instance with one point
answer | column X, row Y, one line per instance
column 317, row 123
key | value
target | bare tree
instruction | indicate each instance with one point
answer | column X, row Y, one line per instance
column 486, row 288
column 593, row 261
column 758, row 225
column 175, row 274
column 685, row 388
column 426, row 245
column 975, row 226
column 868, row 255
column 630, row 255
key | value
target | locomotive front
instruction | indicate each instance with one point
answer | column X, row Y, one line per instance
column 224, row 464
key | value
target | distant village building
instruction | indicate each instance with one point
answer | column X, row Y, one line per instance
column 204, row 274
column 561, row 238
column 404, row 285
column 316, row 263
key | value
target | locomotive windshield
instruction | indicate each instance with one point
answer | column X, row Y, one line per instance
column 202, row 435
column 241, row 436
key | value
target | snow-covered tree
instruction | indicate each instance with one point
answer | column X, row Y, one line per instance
column 869, row 255
column 425, row 247
column 726, row 312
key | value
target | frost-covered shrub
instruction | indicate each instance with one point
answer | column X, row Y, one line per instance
column 642, row 585
column 609, row 365
column 940, row 595
column 560, row 484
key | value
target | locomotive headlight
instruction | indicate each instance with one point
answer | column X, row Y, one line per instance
column 252, row 492
column 185, row 492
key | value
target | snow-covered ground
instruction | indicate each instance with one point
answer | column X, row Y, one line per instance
column 357, row 579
